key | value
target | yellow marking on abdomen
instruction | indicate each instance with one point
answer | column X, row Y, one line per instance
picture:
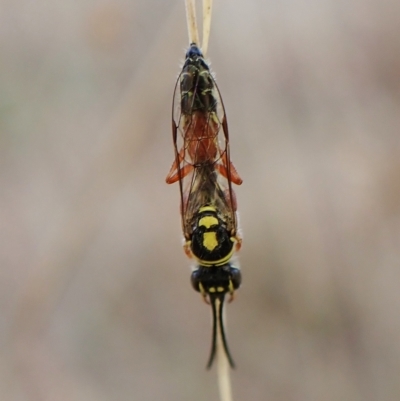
column 210, row 241
column 208, row 221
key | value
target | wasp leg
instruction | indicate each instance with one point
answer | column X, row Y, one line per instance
column 231, row 291
column 238, row 242
column 188, row 251
column 173, row 175
column 234, row 176
column 176, row 177
column 204, row 294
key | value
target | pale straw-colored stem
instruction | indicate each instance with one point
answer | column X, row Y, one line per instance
column 223, row 368
column 191, row 21
column 207, row 8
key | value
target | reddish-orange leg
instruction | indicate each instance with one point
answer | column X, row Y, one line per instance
column 173, row 175
column 235, row 178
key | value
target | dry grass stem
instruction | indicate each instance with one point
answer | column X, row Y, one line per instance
column 207, row 9
column 191, row 21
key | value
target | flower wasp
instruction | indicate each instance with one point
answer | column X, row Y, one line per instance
column 205, row 174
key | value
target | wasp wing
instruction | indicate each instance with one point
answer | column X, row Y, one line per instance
column 202, row 159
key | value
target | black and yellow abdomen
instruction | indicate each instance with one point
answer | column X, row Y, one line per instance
column 211, row 243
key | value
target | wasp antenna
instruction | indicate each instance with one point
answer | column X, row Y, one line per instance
column 215, row 323
column 191, row 21
column 221, row 332
column 219, row 342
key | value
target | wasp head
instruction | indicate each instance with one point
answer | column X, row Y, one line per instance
column 194, row 52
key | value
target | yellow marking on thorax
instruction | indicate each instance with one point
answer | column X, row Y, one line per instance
column 207, row 209
column 210, row 241
column 208, row 221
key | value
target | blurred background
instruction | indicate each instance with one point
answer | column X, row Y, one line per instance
column 95, row 298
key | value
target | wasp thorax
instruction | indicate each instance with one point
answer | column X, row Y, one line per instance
column 211, row 242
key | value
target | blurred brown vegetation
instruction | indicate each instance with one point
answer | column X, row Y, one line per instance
column 95, row 296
